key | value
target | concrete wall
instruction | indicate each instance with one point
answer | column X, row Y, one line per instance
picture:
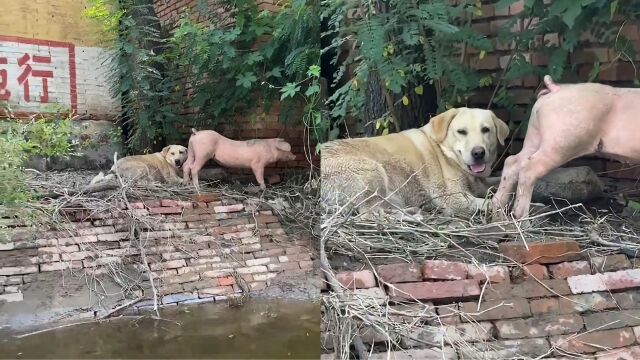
column 51, row 54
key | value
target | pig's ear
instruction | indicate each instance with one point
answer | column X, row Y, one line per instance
column 165, row 151
column 502, row 129
column 440, row 124
column 283, row 145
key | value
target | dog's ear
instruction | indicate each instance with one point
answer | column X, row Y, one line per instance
column 502, row 129
column 440, row 124
column 165, row 151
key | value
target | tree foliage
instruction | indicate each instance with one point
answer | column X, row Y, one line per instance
column 238, row 59
column 410, row 45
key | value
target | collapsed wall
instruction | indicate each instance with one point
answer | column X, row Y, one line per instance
column 206, row 249
column 552, row 300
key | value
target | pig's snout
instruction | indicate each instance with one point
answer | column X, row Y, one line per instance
column 478, row 153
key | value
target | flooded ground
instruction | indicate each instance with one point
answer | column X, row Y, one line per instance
column 260, row 329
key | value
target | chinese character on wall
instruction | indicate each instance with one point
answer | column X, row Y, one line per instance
column 35, row 73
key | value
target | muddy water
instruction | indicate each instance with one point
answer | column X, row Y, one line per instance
column 260, row 329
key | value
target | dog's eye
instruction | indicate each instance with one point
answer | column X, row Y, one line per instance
column 485, row 130
column 173, row 153
column 462, row 132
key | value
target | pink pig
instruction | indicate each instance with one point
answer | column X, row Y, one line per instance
column 251, row 154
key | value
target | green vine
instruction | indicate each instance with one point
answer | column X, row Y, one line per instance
column 410, row 45
column 216, row 69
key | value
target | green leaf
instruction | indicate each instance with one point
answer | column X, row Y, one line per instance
column 613, row 8
column 314, row 70
column 419, row 90
column 572, row 13
column 378, row 124
column 634, row 205
column 405, row 100
column 385, row 131
column 289, row 90
column 253, row 58
column 504, row 3
column 276, row 72
column 312, row 90
column 246, row 80
column 486, row 81
column 593, row 74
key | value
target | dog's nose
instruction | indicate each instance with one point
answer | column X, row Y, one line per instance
column 177, row 162
column 478, row 153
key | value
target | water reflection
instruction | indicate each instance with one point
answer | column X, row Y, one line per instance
column 261, row 329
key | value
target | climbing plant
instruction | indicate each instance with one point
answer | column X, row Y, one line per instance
column 238, row 59
column 398, row 50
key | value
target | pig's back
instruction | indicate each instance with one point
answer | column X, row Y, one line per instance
column 233, row 153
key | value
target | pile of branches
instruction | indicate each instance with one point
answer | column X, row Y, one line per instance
column 410, row 238
column 62, row 193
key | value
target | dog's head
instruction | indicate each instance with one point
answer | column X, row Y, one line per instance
column 175, row 155
column 470, row 137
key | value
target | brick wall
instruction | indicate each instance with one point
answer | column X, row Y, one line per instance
column 51, row 54
column 551, row 299
column 197, row 250
column 267, row 124
column 616, row 72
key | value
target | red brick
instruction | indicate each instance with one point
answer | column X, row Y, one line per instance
column 609, row 263
column 626, row 353
column 306, row 264
column 618, row 280
column 206, row 198
column 284, row 266
column 228, row 208
column 539, row 326
column 398, row 273
column 168, row 203
column 226, row 281
column 594, row 341
column 612, row 319
column 458, row 289
column 165, row 210
column 152, row 203
column 567, row 269
column 536, row 271
column 444, row 270
column 356, row 279
column 292, row 250
column 527, row 289
column 587, row 302
column 626, row 300
column 269, row 253
column 546, row 306
column 448, row 315
column 495, row 274
column 266, row 219
column 137, row 205
column 495, row 309
column 551, row 252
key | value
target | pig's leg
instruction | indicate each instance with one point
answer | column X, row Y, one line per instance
column 188, row 164
column 534, row 167
column 508, row 182
column 258, row 172
column 512, row 167
column 198, row 163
